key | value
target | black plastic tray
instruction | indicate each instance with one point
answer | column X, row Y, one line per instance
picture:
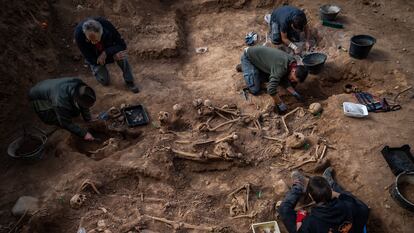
column 135, row 115
column 399, row 159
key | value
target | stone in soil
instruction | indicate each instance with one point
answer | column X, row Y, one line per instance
column 25, row 204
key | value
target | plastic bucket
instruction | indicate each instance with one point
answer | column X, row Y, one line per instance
column 361, row 45
column 314, row 62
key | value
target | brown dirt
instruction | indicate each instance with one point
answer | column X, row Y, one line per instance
column 139, row 173
column 407, row 190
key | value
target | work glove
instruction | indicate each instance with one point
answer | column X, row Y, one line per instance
column 298, row 96
column 295, row 48
column 281, row 108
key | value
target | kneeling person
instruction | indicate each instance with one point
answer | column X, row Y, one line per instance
column 280, row 67
column 101, row 44
column 286, row 23
column 57, row 101
column 336, row 210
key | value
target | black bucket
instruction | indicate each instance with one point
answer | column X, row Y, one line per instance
column 402, row 191
column 361, row 45
column 314, row 62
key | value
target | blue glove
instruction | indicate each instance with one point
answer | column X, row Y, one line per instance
column 298, row 96
column 282, row 108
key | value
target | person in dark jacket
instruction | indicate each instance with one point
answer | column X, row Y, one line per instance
column 286, row 23
column 101, row 44
column 57, row 101
column 261, row 64
column 336, row 210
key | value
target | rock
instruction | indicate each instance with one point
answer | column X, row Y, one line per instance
column 315, row 108
column 107, row 231
column 296, row 140
column 280, row 188
column 101, row 223
column 25, row 203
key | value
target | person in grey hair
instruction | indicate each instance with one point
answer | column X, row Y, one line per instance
column 101, row 44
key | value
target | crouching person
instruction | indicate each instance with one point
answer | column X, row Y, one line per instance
column 58, row 101
column 262, row 64
column 336, row 210
column 101, row 44
column 286, row 24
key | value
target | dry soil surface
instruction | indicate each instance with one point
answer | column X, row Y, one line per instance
column 176, row 170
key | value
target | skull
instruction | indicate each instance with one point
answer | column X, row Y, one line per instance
column 77, row 201
column 197, row 103
column 163, row 117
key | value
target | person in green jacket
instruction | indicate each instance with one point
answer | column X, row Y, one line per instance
column 58, row 101
column 277, row 68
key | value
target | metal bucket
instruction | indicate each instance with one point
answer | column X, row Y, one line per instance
column 400, row 189
column 32, row 154
column 329, row 12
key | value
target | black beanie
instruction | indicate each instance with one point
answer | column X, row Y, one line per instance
column 85, row 96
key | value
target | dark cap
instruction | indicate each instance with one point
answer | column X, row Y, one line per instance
column 85, row 96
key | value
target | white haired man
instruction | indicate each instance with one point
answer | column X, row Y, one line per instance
column 101, row 44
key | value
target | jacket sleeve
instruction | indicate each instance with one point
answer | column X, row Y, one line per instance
column 306, row 226
column 276, row 75
column 86, row 114
column 65, row 122
column 85, row 49
column 119, row 43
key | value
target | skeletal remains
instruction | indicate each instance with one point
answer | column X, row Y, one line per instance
column 77, row 201
column 176, row 225
column 239, row 204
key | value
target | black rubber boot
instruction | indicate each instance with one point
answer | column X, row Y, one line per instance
column 132, row 87
column 328, row 175
column 298, row 179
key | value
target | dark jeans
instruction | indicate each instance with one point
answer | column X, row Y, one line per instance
column 287, row 208
column 276, row 38
column 48, row 117
column 102, row 74
column 252, row 75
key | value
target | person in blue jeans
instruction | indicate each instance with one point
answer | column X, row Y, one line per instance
column 336, row 210
column 262, row 64
column 101, row 44
column 286, row 23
